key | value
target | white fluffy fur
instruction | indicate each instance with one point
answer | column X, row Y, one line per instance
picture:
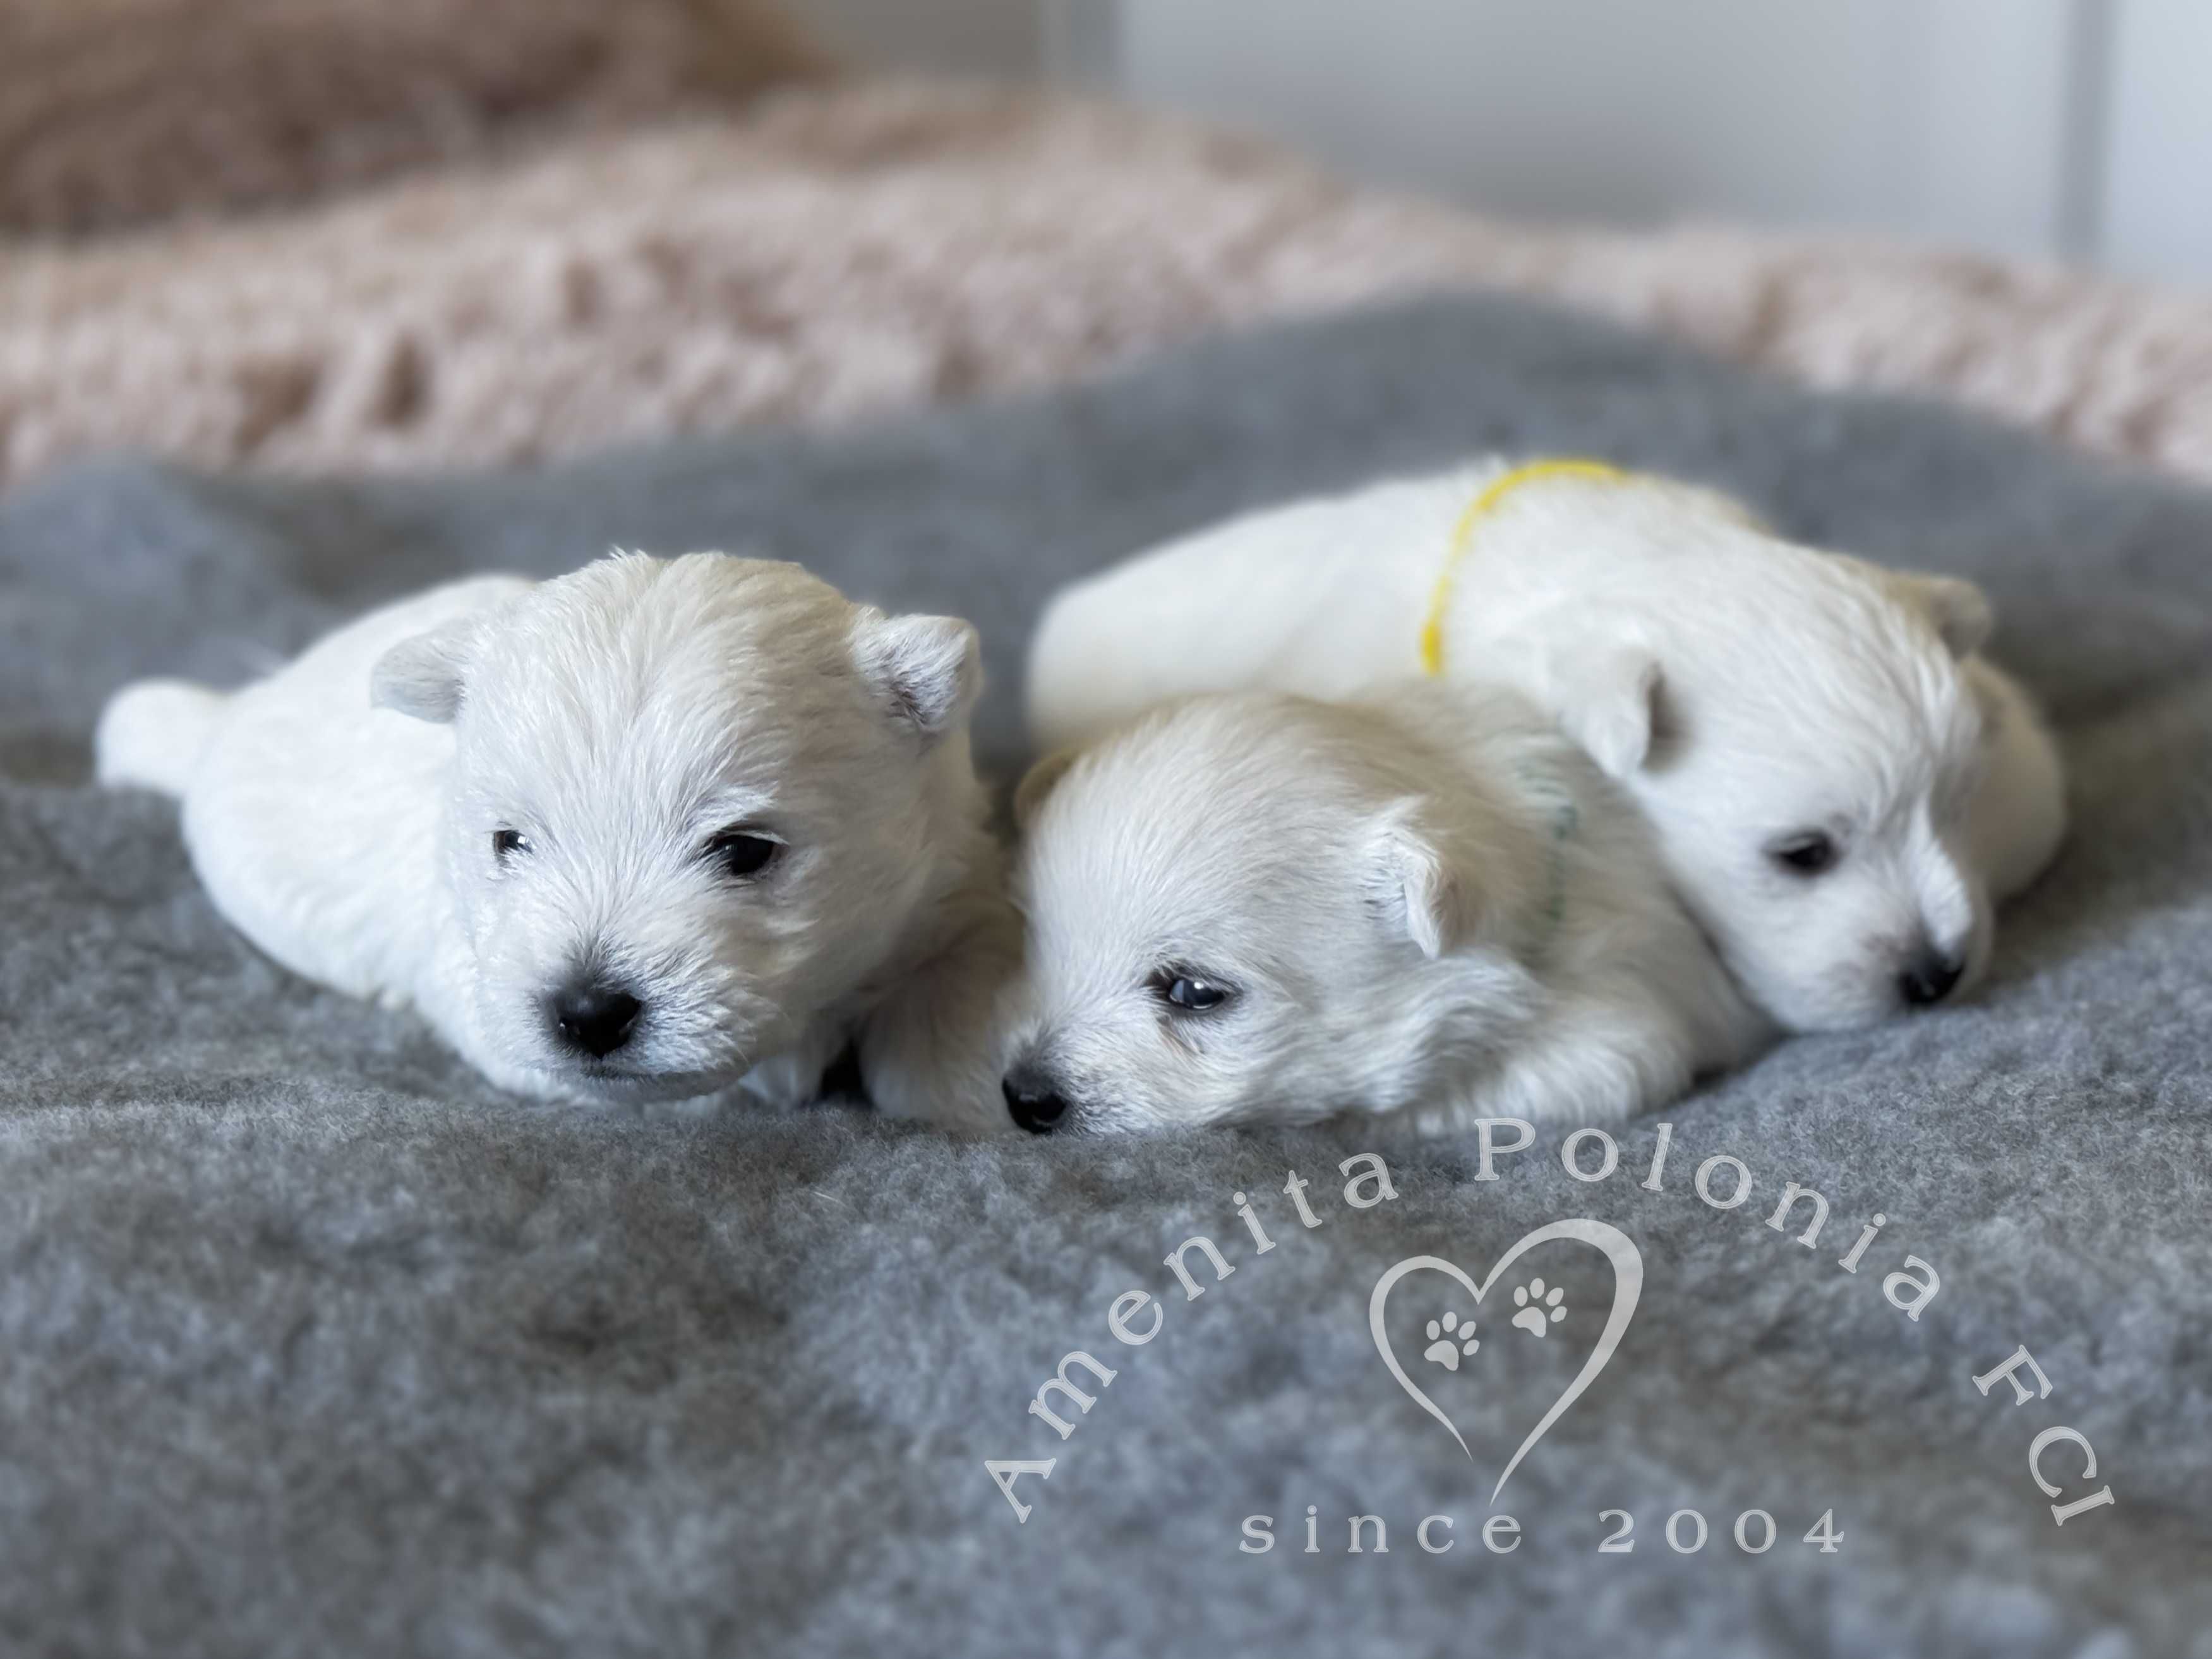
column 1743, row 690
column 1434, row 904
column 617, row 718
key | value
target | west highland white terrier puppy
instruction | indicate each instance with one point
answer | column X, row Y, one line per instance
column 637, row 833
column 1252, row 906
column 1839, row 784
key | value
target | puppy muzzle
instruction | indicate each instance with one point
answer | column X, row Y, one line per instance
column 1929, row 977
column 1033, row 1102
column 591, row 1017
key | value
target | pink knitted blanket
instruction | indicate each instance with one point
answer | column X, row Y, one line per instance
column 839, row 251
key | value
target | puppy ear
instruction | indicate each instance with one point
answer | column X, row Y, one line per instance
column 1416, row 885
column 1038, row 782
column 1960, row 610
column 928, row 669
column 1607, row 697
column 423, row 676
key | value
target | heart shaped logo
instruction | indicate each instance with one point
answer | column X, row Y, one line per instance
column 1534, row 1317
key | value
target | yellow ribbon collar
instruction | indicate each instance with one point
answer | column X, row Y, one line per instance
column 1433, row 628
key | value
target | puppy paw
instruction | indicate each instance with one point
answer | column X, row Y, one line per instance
column 1539, row 1311
column 1448, row 1339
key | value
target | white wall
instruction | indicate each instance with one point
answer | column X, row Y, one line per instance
column 2078, row 129
column 1930, row 116
column 2157, row 206
column 2071, row 128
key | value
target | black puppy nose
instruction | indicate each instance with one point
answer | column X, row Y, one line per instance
column 1929, row 979
column 1034, row 1107
column 596, row 1018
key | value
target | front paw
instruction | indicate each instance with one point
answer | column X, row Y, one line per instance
column 788, row 1081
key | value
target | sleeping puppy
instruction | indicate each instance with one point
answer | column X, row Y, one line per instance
column 1839, row 784
column 634, row 833
column 1253, row 907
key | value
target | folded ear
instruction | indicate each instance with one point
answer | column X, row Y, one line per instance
column 1605, row 694
column 424, row 677
column 1960, row 610
column 1415, row 884
column 928, row 669
column 1038, row 782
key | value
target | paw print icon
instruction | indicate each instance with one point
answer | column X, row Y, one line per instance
column 1448, row 1339
column 1539, row 1310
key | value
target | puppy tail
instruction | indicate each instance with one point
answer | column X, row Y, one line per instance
column 152, row 734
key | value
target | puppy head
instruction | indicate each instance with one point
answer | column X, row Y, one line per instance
column 1799, row 729
column 1239, row 907
column 694, row 802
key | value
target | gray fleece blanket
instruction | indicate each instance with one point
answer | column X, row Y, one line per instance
column 309, row 1343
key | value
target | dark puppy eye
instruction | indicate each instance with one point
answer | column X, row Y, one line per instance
column 741, row 852
column 1191, row 992
column 1805, row 855
column 505, row 843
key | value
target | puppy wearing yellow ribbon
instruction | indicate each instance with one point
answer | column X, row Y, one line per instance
column 1840, row 783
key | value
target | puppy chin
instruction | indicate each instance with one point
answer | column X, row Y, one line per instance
column 1867, row 1001
column 637, row 1074
column 1116, row 1116
column 1834, row 1001
column 1122, row 1111
column 1827, row 1012
column 591, row 1084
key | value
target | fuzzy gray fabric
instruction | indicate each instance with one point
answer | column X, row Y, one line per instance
column 311, row 1344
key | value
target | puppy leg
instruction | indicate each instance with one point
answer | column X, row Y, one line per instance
column 2019, row 813
column 932, row 1050
column 793, row 1077
column 1591, row 1063
column 152, row 734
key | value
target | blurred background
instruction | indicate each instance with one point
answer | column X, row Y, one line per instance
column 2075, row 129
column 348, row 235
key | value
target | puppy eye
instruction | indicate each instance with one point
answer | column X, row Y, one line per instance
column 1189, row 992
column 1805, row 855
column 505, row 843
column 743, row 853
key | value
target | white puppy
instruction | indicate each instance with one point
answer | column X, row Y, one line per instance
column 1839, row 784
column 636, row 833
column 1251, row 907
